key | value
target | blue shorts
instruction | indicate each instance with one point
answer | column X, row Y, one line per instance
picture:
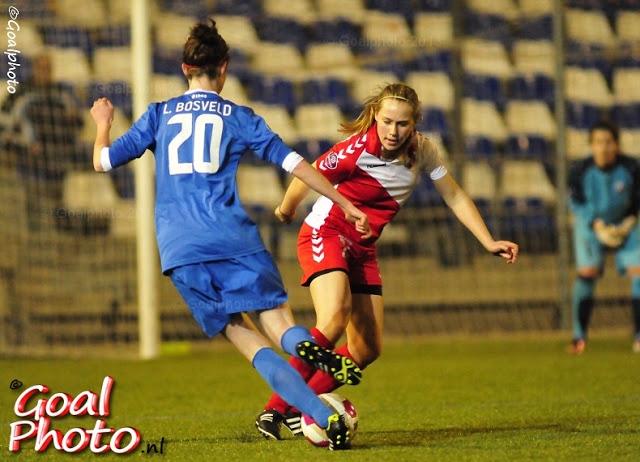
column 216, row 290
column 590, row 252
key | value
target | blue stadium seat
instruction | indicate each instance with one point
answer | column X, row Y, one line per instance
column 281, row 30
column 23, row 73
column 535, row 28
column 626, row 115
column 68, row 37
column 441, row 61
column 433, row 5
column 197, row 9
column 115, row 35
column 390, row 63
column 167, row 62
column 250, row 8
column 530, row 222
column 312, row 149
column 434, row 120
column 538, row 87
column 118, row 92
column 273, row 90
column 488, row 27
column 528, row 147
column 485, row 88
column 627, row 55
column 337, row 31
column 239, row 63
column 124, row 181
column 631, row 5
column 480, row 148
column 425, row 194
column 589, row 56
column 36, row 10
column 582, row 115
column 326, row 90
column 403, row 7
column 585, row 4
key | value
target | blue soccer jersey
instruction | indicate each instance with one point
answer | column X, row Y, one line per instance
column 198, row 139
column 610, row 194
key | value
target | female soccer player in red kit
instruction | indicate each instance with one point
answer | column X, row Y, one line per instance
column 376, row 168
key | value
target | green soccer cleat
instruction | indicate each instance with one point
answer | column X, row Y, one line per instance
column 341, row 368
column 338, row 433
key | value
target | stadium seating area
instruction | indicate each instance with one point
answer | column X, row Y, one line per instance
column 308, row 64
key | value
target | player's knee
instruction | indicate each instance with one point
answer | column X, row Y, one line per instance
column 589, row 273
column 374, row 353
column 366, row 352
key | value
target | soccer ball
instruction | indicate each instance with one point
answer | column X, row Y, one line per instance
column 315, row 434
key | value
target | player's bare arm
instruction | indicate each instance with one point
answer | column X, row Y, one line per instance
column 102, row 114
column 295, row 194
column 315, row 180
column 466, row 211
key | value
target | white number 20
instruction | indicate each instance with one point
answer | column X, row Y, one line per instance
column 199, row 130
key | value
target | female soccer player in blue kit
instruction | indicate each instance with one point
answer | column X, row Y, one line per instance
column 208, row 246
column 605, row 200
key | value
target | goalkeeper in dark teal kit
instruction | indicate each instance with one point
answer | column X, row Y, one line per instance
column 605, row 200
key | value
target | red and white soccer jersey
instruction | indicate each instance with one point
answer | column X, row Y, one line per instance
column 376, row 186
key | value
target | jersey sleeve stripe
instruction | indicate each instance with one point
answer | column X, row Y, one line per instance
column 291, row 161
column 104, row 159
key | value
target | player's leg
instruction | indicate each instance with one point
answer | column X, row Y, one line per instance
column 635, row 307
column 339, row 368
column 214, row 291
column 331, row 297
column 297, row 341
column 364, row 339
column 589, row 260
column 628, row 262
column 364, row 330
column 284, row 380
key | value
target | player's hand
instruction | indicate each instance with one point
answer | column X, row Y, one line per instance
column 102, row 111
column 505, row 249
column 360, row 219
column 284, row 218
column 625, row 227
column 608, row 235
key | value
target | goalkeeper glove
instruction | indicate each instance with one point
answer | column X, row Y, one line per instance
column 608, row 235
column 625, row 227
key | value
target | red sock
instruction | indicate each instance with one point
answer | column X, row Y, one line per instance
column 322, row 382
column 321, row 339
column 305, row 370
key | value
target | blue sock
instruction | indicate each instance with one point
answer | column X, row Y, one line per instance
column 292, row 337
column 635, row 306
column 288, row 383
column 582, row 306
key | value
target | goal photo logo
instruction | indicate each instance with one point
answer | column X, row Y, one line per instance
column 41, row 411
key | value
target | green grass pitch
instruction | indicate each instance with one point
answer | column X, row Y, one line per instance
column 491, row 398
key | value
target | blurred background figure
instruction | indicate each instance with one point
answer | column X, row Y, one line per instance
column 44, row 126
column 604, row 199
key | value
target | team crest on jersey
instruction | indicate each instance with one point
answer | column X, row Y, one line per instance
column 619, row 187
column 331, row 161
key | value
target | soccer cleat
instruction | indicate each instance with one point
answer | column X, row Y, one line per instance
column 577, row 346
column 292, row 420
column 268, row 424
column 341, row 368
column 338, row 433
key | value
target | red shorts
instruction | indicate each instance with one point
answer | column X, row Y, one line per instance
column 323, row 250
